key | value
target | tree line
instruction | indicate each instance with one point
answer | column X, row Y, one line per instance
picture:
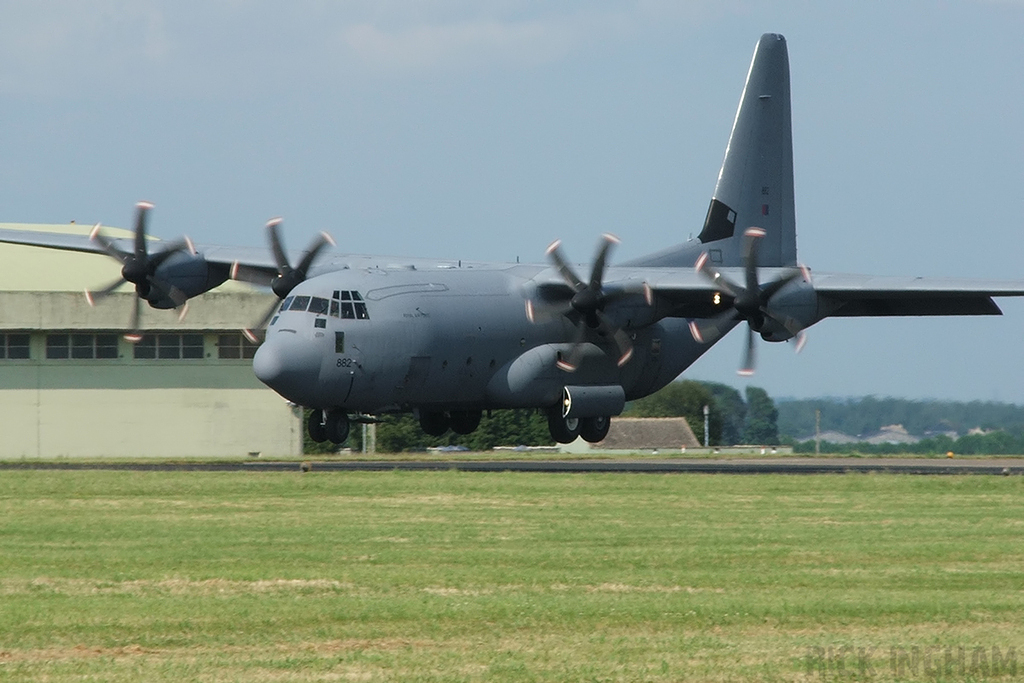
column 866, row 415
column 751, row 417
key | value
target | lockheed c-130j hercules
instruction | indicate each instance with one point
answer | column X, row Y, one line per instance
column 353, row 337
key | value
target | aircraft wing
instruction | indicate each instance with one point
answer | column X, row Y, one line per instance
column 55, row 240
column 863, row 295
column 686, row 294
column 259, row 259
column 256, row 257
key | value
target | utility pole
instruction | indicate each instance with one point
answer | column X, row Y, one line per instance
column 707, row 430
column 817, row 432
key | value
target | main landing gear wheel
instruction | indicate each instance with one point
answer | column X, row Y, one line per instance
column 434, row 423
column 315, row 426
column 464, row 421
column 563, row 429
column 336, row 426
column 594, row 429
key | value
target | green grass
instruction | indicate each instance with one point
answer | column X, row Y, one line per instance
column 122, row 576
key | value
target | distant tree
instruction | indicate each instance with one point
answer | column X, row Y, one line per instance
column 866, row 415
column 761, row 426
column 733, row 411
column 687, row 399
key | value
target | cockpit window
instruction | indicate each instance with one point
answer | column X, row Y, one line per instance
column 318, row 306
column 345, row 304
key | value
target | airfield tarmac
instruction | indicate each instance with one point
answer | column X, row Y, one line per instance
column 785, row 465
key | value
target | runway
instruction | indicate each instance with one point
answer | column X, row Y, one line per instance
column 786, row 465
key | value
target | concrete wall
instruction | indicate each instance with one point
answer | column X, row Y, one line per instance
column 127, row 407
column 162, row 408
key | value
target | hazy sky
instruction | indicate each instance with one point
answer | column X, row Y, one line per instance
column 486, row 129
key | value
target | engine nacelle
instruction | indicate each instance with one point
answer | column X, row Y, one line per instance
column 595, row 401
column 791, row 309
column 190, row 274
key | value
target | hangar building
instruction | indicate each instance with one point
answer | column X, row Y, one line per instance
column 72, row 386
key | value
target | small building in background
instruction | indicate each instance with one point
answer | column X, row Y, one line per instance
column 72, row 386
column 649, row 433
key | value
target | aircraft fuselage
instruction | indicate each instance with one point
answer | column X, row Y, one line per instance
column 382, row 340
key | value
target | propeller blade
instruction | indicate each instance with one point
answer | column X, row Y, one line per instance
column 93, row 297
column 555, row 254
column 571, row 363
column 321, row 241
column 597, row 271
column 752, row 236
column 629, row 290
column 276, row 247
column 244, row 273
column 748, row 359
column 267, row 315
column 801, row 341
column 134, row 325
column 619, row 336
column 183, row 311
column 707, row 330
column 717, row 279
column 141, row 213
column 539, row 314
column 108, row 246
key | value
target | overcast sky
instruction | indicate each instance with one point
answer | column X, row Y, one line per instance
column 482, row 129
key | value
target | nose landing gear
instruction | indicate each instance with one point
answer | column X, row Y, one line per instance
column 328, row 425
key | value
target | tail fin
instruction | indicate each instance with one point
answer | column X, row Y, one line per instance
column 755, row 185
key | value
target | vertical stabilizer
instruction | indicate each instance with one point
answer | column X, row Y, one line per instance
column 755, row 185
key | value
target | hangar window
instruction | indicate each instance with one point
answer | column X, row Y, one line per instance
column 14, row 346
column 81, row 346
column 169, row 347
column 235, row 347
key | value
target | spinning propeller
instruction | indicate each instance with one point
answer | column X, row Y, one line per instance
column 751, row 302
column 585, row 307
column 287, row 277
column 139, row 268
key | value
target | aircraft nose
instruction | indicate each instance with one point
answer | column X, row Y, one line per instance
column 289, row 367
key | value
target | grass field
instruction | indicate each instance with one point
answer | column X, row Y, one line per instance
column 122, row 576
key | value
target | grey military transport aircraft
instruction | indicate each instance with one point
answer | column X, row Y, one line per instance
column 354, row 337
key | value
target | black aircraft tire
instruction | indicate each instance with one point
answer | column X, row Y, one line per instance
column 434, row 424
column 316, row 428
column 594, row 429
column 563, row 429
column 337, row 427
column 464, row 421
